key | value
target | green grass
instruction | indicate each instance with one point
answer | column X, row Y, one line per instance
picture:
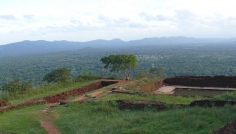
column 163, row 98
column 226, row 96
column 100, row 118
column 23, row 121
column 48, row 90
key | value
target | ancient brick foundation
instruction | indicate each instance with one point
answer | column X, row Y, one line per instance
column 210, row 103
column 202, row 81
column 124, row 104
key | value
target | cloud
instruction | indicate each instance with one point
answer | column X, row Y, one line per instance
column 74, row 21
column 109, row 18
column 28, row 16
column 8, row 17
column 114, row 22
column 162, row 17
column 137, row 25
column 104, row 18
column 158, row 17
column 146, row 16
column 185, row 15
column 121, row 20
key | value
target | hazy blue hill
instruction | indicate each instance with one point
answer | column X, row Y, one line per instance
column 180, row 40
column 104, row 43
column 36, row 47
column 40, row 46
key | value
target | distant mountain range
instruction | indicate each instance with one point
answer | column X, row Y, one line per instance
column 41, row 46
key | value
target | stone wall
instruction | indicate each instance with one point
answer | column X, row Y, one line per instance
column 202, row 81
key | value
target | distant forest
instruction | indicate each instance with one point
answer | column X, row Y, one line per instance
column 176, row 60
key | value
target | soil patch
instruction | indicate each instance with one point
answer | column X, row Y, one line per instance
column 49, row 127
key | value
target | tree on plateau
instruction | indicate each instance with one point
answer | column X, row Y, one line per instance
column 124, row 62
column 58, row 75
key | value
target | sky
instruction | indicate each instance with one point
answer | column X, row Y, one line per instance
column 85, row 20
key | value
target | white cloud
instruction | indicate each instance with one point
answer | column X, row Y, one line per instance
column 80, row 20
column 7, row 17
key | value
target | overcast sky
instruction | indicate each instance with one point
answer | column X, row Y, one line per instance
column 83, row 20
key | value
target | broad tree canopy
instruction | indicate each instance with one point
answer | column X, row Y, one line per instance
column 58, row 75
column 124, row 62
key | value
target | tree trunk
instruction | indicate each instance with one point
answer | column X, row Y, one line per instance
column 127, row 77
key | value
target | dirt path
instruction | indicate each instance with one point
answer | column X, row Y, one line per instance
column 49, row 127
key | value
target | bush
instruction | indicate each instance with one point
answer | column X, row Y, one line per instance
column 86, row 77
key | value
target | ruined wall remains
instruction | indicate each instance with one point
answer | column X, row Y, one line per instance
column 28, row 103
column 3, row 103
column 125, row 104
column 202, row 81
column 58, row 97
column 79, row 91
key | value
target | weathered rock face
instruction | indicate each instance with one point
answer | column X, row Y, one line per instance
column 202, row 81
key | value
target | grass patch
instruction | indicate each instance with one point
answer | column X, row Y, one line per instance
column 99, row 118
column 163, row 98
column 226, row 96
column 23, row 121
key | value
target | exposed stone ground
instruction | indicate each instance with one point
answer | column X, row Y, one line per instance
column 171, row 89
column 165, row 90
